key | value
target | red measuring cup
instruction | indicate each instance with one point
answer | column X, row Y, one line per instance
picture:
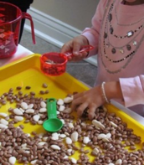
column 10, row 21
column 54, row 63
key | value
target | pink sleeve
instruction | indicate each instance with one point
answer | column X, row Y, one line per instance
column 92, row 34
column 133, row 90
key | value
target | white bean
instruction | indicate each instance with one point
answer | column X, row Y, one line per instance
column 33, row 162
column 12, row 160
column 45, row 139
column 43, row 104
column 70, row 125
column 24, row 105
column 69, row 150
column 21, row 110
column 61, row 108
column 41, row 143
column 68, row 99
column 60, row 102
column 3, row 114
column 96, row 151
column 29, row 111
column 74, row 136
column 41, row 135
column 108, row 135
column 3, row 126
column 40, row 122
column 55, row 136
column 104, row 137
column 62, row 135
column 67, row 134
column 18, row 118
column 62, row 121
column 113, row 124
column 73, row 160
column 17, row 111
column 101, row 136
column 3, row 121
column 55, row 147
column 83, row 124
column 36, row 117
column 30, row 106
column 24, row 145
column 86, row 140
column 98, row 124
column 118, row 162
column 68, row 140
column 28, row 134
column 65, row 157
column 42, row 110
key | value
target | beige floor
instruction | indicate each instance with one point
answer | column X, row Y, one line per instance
column 82, row 70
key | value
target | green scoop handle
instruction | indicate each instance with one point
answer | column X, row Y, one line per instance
column 53, row 124
column 51, row 108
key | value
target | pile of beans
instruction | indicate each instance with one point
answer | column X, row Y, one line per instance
column 106, row 138
column 53, row 68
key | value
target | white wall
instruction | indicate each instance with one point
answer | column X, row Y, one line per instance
column 77, row 13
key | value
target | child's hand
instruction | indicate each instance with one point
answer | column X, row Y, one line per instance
column 90, row 99
column 74, row 46
column 94, row 98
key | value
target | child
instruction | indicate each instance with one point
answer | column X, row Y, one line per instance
column 117, row 33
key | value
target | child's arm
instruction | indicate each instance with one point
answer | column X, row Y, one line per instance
column 96, row 97
column 92, row 34
column 132, row 90
column 89, row 36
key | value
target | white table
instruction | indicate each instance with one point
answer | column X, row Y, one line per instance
column 22, row 52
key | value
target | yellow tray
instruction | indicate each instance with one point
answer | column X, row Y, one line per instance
column 26, row 72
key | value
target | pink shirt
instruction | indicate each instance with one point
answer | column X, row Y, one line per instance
column 117, row 33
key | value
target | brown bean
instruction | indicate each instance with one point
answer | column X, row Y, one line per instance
column 27, row 87
column 42, row 92
column 18, row 87
column 44, row 85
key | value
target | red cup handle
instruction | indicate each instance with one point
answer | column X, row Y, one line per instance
column 28, row 16
column 86, row 48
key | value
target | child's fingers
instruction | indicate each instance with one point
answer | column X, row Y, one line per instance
column 81, row 109
column 91, row 112
column 77, row 95
column 66, row 47
column 79, row 57
column 76, row 48
column 75, row 104
column 83, row 55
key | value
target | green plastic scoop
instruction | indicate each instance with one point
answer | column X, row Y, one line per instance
column 53, row 124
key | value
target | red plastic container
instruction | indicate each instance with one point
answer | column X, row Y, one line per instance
column 56, row 67
column 54, row 64
column 10, row 21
